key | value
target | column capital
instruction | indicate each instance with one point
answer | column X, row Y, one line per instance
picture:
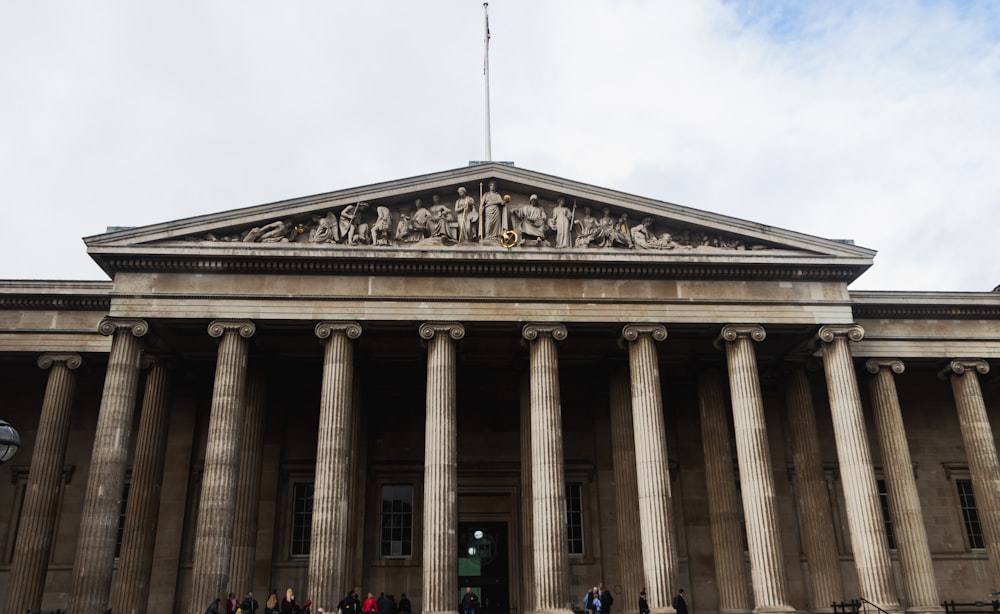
column 245, row 328
column 830, row 332
column 631, row 332
column 958, row 366
column 428, row 330
column 110, row 325
column 72, row 361
column 533, row 329
column 349, row 328
column 875, row 365
column 732, row 332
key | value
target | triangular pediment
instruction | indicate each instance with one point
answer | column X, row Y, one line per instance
column 457, row 215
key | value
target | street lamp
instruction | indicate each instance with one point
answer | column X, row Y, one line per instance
column 10, row 441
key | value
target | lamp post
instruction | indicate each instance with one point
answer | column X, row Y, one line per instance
column 10, row 441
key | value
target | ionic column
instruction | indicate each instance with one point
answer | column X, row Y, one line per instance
column 441, row 469
column 980, row 450
column 244, row 559
column 904, row 502
column 767, row 567
column 864, row 513
column 135, row 563
column 656, row 518
column 95, row 546
column 217, row 507
column 335, row 449
column 723, row 506
column 812, row 495
column 626, row 490
column 548, row 480
column 41, row 499
column 527, row 533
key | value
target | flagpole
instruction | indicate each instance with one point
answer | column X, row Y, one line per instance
column 486, row 73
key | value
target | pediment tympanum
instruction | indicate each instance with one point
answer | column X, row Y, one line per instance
column 470, row 213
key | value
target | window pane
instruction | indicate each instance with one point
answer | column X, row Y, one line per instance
column 970, row 514
column 302, row 504
column 574, row 518
column 883, row 497
column 397, row 521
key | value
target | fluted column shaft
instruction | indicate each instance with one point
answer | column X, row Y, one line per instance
column 864, row 513
column 41, row 499
column 441, row 469
column 904, row 502
column 767, row 567
column 980, row 450
column 135, row 563
column 527, row 533
column 95, row 548
column 243, row 561
column 548, row 482
column 812, row 495
column 335, row 448
column 656, row 518
column 626, row 490
column 216, row 509
column 723, row 504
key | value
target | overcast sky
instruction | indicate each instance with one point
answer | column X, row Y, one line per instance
column 872, row 121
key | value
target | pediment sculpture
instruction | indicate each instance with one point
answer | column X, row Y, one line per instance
column 496, row 220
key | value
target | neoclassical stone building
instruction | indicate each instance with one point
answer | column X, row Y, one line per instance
column 528, row 388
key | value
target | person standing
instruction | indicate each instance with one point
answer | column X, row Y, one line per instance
column 680, row 604
column 404, row 605
column 288, row 603
column 249, row 605
column 470, row 602
column 607, row 599
column 370, row 605
column 643, row 604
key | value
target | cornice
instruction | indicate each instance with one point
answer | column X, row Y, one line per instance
column 926, row 305
column 492, row 267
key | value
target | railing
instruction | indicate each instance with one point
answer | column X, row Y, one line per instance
column 975, row 607
column 855, row 606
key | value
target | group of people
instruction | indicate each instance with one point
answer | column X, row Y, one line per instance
column 250, row 605
column 599, row 600
column 384, row 604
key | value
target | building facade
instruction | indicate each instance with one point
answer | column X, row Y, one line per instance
column 495, row 378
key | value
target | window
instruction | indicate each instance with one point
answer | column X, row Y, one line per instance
column 883, row 498
column 302, row 508
column 574, row 518
column 397, row 521
column 970, row 514
column 122, row 504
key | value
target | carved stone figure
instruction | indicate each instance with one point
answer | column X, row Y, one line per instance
column 380, row 229
column 440, row 222
column 468, row 217
column 276, row 232
column 353, row 230
column 643, row 238
column 587, row 230
column 326, row 229
column 532, row 221
column 610, row 232
column 493, row 213
column 562, row 223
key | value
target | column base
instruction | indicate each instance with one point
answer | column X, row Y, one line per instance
column 666, row 610
column 925, row 609
column 547, row 611
column 775, row 609
column 742, row 611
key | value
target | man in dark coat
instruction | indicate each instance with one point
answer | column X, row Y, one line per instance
column 606, row 599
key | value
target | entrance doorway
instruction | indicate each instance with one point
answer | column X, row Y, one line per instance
column 484, row 565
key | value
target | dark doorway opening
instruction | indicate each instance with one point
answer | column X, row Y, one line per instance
column 484, row 565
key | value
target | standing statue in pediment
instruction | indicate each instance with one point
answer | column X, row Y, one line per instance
column 380, row 229
column 492, row 213
column 533, row 223
column 468, row 217
column 562, row 223
column 326, row 229
column 353, row 229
